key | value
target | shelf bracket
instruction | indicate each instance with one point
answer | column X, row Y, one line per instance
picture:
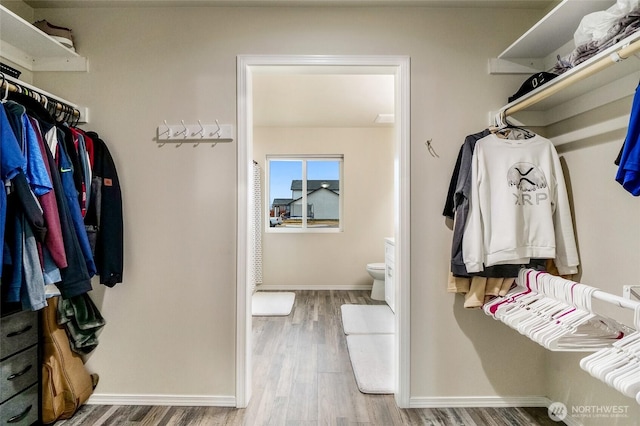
column 631, row 292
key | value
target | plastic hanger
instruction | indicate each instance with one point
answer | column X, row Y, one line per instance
column 6, row 89
column 619, row 365
column 509, row 131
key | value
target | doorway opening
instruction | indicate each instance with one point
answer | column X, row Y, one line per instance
column 396, row 66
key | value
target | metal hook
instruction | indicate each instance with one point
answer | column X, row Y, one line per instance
column 184, row 131
column 200, row 132
column 218, row 130
column 430, row 149
column 167, row 132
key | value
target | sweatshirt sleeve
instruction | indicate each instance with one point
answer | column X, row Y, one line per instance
column 566, row 259
column 472, row 241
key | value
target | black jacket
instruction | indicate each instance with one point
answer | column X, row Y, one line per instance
column 104, row 214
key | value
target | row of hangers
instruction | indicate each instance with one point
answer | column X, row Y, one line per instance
column 58, row 110
column 556, row 313
column 619, row 365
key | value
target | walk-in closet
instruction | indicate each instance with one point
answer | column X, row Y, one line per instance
column 500, row 188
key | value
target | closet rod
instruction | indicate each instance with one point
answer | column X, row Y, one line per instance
column 616, row 300
column 611, row 298
column 15, row 86
column 554, row 87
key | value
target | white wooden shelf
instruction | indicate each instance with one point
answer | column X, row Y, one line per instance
column 593, row 83
column 554, row 30
column 29, row 47
column 606, row 85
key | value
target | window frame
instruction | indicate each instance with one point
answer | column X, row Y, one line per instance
column 304, row 158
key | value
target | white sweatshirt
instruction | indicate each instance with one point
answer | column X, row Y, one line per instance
column 519, row 206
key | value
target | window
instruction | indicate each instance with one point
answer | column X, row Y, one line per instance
column 304, row 193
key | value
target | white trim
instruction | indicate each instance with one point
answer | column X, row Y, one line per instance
column 479, row 401
column 402, row 231
column 335, row 287
column 243, row 292
column 175, row 400
column 401, row 69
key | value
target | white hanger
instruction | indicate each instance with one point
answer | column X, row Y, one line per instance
column 619, row 365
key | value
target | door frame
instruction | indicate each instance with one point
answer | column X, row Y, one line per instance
column 400, row 67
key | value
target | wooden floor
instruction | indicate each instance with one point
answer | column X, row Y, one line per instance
column 302, row 376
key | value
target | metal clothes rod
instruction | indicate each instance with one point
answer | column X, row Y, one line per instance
column 609, row 298
column 15, row 86
column 621, row 54
column 616, row 300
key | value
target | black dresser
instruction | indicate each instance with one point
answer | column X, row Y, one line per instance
column 19, row 366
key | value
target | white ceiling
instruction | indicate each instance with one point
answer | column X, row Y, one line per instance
column 292, row 99
column 511, row 4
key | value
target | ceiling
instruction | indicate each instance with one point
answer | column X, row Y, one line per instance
column 511, row 4
column 301, row 97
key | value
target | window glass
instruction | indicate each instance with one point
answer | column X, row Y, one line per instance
column 304, row 193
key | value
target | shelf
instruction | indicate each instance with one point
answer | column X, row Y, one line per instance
column 590, row 85
column 31, row 48
column 554, row 30
column 598, row 80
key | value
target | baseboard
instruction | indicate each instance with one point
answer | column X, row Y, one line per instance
column 176, row 400
column 478, row 401
column 487, row 401
column 275, row 287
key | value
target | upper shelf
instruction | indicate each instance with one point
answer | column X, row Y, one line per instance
column 554, row 30
column 604, row 78
column 603, row 70
column 29, row 47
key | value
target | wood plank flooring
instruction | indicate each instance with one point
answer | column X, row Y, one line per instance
column 302, row 376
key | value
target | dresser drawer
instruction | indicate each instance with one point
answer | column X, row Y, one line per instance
column 21, row 410
column 17, row 332
column 18, row 372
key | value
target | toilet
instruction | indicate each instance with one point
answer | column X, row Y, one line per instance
column 376, row 270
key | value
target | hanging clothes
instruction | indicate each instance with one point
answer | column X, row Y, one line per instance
column 493, row 280
column 628, row 174
column 49, row 168
column 11, row 163
column 53, row 173
column 104, row 214
column 519, row 207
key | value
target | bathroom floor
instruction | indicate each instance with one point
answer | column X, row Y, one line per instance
column 302, row 375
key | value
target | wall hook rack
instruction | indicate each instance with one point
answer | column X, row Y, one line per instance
column 198, row 133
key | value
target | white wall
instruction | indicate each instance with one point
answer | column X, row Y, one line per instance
column 333, row 260
column 608, row 235
column 171, row 324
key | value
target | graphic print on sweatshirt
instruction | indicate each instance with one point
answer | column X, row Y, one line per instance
column 527, row 178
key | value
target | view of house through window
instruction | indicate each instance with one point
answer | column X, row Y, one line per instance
column 304, row 192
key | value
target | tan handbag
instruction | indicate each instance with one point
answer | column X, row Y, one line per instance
column 66, row 384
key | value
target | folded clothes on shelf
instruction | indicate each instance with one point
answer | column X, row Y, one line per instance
column 61, row 34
